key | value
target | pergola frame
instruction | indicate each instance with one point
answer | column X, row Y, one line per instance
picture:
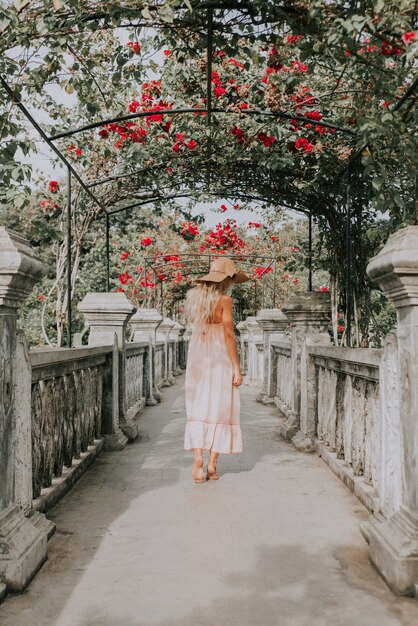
column 208, row 110
column 204, row 266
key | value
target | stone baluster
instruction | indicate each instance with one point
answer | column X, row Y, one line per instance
column 309, row 313
column 175, row 334
column 271, row 321
column 163, row 334
column 107, row 315
column 243, row 334
column 186, row 334
column 144, row 325
column 23, row 540
column 254, row 336
column 393, row 530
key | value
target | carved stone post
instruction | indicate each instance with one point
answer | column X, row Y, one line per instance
column 107, row 315
column 393, row 531
column 243, row 334
column 144, row 325
column 271, row 321
column 254, row 336
column 163, row 334
column 23, row 540
column 304, row 438
column 309, row 313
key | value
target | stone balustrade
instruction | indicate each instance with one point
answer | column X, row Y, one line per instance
column 60, row 407
column 356, row 407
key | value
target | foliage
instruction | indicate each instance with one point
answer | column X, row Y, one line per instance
column 298, row 89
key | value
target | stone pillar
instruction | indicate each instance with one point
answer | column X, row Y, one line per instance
column 254, row 335
column 163, row 334
column 144, row 325
column 309, row 313
column 271, row 321
column 393, row 531
column 107, row 315
column 243, row 334
column 23, row 540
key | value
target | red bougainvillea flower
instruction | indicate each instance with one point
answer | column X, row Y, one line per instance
column 124, row 256
column 176, row 146
column 253, row 225
column 387, row 50
column 298, row 67
column 293, row 38
column 265, row 139
column 180, row 137
column 296, row 280
column 294, row 249
column 104, row 133
column 386, row 103
column 192, row 144
column 236, row 206
column 243, row 105
column 274, row 238
column 161, row 276
column 224, row 207
column 313, row 115
column 41, row 297
column 147, row 241
column 216, row 79
column 238, row 133
column 259, row 271
column 133, row 106
column 340, row 329
column 135, row 47
column 325, row 289
column 237, row 63
column 125, row 278
column 167, row 53
column 53, row 186
column 305, row 144
column 219, row 91
column 409, row 37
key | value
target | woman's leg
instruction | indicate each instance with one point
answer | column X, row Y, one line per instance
column 211, row 469
column 197, row 472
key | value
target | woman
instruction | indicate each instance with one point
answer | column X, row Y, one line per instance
column 213, row 372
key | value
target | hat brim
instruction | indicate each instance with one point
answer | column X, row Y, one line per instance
column 218, row 277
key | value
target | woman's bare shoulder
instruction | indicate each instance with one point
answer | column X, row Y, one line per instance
column 225, row 299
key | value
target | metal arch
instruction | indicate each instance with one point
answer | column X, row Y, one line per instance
column 207, row 259
column 181, row 111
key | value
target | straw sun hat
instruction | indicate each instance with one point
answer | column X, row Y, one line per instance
column 222, row 267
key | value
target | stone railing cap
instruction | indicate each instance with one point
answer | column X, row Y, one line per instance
column 147, row 315
column 304, row 301
column 20, row 268
column 102, row 302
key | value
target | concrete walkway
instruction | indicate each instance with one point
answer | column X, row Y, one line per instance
column 275, row 542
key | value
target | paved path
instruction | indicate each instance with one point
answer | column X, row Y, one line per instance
column 275, row 542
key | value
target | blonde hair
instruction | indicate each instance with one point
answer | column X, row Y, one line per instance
column 202, row 300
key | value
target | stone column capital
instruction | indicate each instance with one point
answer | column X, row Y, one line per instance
column 20, row 268
column 272, row 320
column 308, row 309
column 106, row 314
column 144, row 323
column 395, row 267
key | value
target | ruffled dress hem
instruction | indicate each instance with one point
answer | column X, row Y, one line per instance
column 222, row 438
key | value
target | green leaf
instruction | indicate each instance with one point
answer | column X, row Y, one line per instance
column 377, row 182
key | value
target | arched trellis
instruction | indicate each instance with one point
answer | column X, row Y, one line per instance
column 201, row 263
column 208, row 24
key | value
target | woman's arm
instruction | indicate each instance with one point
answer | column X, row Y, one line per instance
column 231, row 344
